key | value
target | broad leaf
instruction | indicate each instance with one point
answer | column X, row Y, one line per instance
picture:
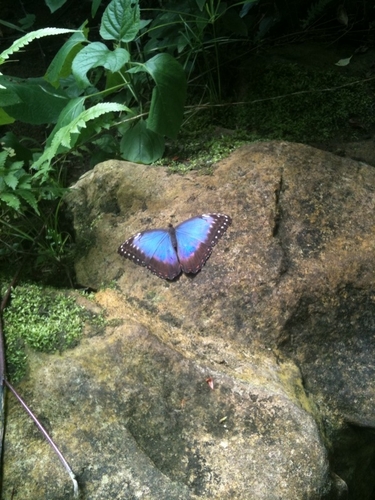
column 94, row 55
column 120, row 21
column 5, row 119
column 60, row 66
column 7, row 95
column 39, row 101
column 141, row 145
column 168, row 97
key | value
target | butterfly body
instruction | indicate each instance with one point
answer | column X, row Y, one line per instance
column 186, row 247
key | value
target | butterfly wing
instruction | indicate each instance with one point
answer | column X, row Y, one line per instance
column 153, row 249
column 196, row 237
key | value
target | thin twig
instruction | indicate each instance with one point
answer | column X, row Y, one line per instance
column 46, row 435
column 4, row 382
column 299, row 92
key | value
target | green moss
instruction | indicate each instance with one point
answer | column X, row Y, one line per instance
column 201, row 150
column 292, row 102
column 43, row 319
column 274, row 99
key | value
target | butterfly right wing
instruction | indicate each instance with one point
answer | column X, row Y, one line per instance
column 153, row 249
column 196, row 237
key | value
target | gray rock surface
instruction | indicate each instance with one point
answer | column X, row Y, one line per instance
column 281, row 318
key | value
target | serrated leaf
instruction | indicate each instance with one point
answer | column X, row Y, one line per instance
column 25, row 182
column 94, row 55
column 11, row 200
column 3, row 157
column 63, row 136
column 11, row 180
column 29, row 197
column 25, row 40
column 71, row 111
column 141, row 145
column 120, row 21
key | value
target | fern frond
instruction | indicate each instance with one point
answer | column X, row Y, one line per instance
column 25, row 40
column 63, row 136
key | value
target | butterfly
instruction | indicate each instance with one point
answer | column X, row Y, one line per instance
column 184, row 248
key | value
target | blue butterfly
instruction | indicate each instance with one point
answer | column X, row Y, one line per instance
column 186, row 247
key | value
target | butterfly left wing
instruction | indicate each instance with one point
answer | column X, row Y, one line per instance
column 153, row 249
column 196, row 237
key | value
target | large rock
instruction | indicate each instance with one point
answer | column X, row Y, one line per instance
column 281, row 318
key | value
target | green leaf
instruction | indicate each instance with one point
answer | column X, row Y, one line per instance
column 39, row 101
column 94, row 7
column 7, row 95
column 71, row 111
column 11, row 180
column 29, row 197
column 25, row 40
column 60, row 66
column 233, row 23
column 64, row 135
column 10, row 140
column 27, row 21
column 5, row 119
column 53, row 5
column 344, row 62
column 120, row 21
column 94, row 55
column 11, row 26
column 11, row 200
column 3, row 157
column 141, row 145
column 168, row 97
column 200, row 4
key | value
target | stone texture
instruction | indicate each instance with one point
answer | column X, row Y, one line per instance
column 281, row 318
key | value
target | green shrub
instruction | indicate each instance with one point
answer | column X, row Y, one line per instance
column 106, row 94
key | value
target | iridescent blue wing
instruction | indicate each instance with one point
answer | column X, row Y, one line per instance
column 153, row 249
column 196, row 237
